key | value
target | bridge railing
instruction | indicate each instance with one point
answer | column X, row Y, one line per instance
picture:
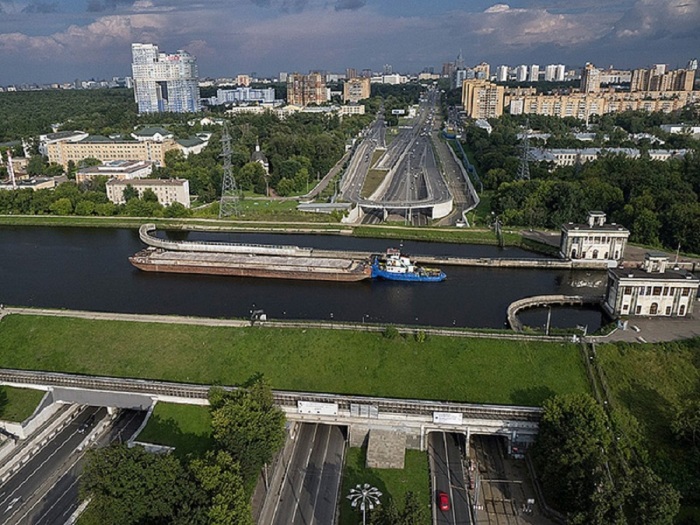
column 281, row 397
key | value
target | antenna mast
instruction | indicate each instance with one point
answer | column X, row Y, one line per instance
column 228, row 205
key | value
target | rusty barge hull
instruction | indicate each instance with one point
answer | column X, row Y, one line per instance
column 251, row 265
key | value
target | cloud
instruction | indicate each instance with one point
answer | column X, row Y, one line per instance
column 285, row 6
column 349, row 4
column 98, row 6
column 498, row 8
column 657, row 19
column 38, row 6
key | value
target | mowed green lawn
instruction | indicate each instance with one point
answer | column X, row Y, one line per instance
column 17, row 404
column 185, row 427
column 393, row 483
column 444, row 368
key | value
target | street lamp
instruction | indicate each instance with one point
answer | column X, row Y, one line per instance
column 363, row 497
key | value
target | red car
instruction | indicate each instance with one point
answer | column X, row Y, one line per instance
column 443, row 501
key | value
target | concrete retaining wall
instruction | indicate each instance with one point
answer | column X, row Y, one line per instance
column 545, row 300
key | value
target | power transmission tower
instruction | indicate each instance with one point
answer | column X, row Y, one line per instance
column 524, row 168
column 229, row 190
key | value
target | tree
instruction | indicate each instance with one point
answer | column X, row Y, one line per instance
column 62, row 206
column 130, row 193
column 149, row 196
column 247, row 424
column 651, row 501
column 570, row 451
column 414, row 512
column 219, row 477
column 132, row 486
column 686, row 422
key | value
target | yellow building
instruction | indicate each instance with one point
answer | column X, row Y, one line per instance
column 356, row 89
column 482, row 99
column 105, row 149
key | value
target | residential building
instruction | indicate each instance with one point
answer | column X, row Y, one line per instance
column 652, row 290
column 482, row 71
column 521, row 73
column 303, row 90
column 502, row 74
column 356, row 89
column 168, row 191
column 106, row 149
column 35, row 183
column 243, row 80
column 658, row 79
column 245, row 94
column 615, row 76
column 164, row 82
column 534, row 75
column 570, row 157
column 590, row 79
column 554, row 73
column 482, row 99
column 116, row 169
column 594, row 240
column 352, row 109
column 582, row 105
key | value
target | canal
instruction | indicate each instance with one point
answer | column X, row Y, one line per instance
column 82, row 268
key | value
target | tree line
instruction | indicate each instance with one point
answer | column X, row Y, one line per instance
column 129, row 486
column 593, row 473
column 657, row 201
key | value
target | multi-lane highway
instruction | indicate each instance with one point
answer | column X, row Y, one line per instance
column 447, row 469
column 45, row 490
column 311, row 486
column 412, row 175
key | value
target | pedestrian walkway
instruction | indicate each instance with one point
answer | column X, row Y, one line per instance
column 658, row 330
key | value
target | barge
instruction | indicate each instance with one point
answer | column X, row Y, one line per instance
column 252, row 265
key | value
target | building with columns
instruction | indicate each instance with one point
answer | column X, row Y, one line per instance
column 652, row 290
column 595, row 240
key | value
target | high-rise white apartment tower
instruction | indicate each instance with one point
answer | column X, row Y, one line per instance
column 554, row 73
column 534, row 73
column 164, row 82
column 502, row 73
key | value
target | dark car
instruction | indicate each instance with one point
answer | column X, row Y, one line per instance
column 443, row 501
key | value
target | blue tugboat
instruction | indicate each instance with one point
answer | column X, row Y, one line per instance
column 396, row 267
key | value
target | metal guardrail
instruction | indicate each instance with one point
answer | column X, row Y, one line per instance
column 281, row 398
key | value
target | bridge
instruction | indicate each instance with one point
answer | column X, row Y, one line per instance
column 546, row 300
column 361, row 414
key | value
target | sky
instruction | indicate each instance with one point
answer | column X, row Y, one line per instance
column 62, row 40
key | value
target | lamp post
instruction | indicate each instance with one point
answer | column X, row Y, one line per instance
column 364, row 497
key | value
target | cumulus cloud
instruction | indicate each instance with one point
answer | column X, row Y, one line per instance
column 659, row 19
column 498, row 8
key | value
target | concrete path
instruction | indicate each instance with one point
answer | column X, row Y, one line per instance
column 647, row 330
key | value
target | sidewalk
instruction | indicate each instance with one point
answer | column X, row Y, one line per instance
column 655, row 330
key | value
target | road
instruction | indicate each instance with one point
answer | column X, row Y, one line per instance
column 310, row 490
column 45, row 490
column 445, row 452
column 413, row 176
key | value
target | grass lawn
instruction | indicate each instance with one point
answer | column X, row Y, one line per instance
column 648, row 381
column 17, row 404
column 372, row 182
column 392, row 483
column 443, row 368
column 185, row 427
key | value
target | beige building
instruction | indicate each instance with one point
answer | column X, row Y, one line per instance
column 658, row 79
column 168, row 191
column 582, row 105
column 356, row 89
column 652, row 290
column 105, row 149
column 482, row 99
column 116, row 169
column 595, row 240
column 590, row 79
column 303, row 90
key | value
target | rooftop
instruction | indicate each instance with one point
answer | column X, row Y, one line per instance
column 668, row 275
